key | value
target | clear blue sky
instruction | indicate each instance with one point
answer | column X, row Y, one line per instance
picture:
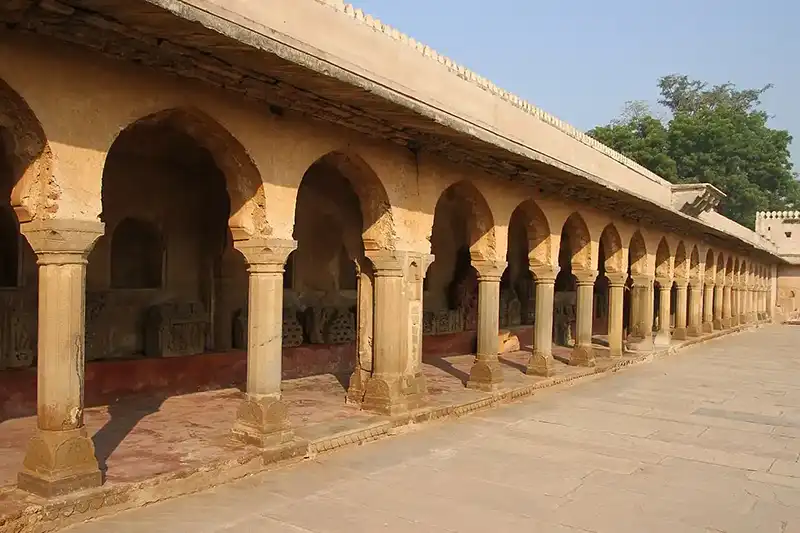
column 582, row 59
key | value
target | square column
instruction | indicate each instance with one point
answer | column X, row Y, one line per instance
column 641, row 335
column 708, row 308
column 486, row 373
column 726, row 306
column 681, row 303
column 742, row 292
column 262, row 419
column 583, row 353
column 663, row 337
column 616, row 291
column 718, row 303
column 752, row 298
column 542, row 362
column 694, row 327
column 397, row 383
column 734, row 305
column 60, row 458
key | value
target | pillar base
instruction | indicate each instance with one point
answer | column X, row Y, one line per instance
column 734, row 321
column 262, row 422
column 59, row 462
column 707, row 327
column 726, row 323
column 662, row 340
column 640, row 344
column 394, row 395
column 742, row 319
column 717, row 324
column 541, row 365
column 694, row 331
column 582, row 356
column 485, row 375
column 680, row 334
column 357, row 386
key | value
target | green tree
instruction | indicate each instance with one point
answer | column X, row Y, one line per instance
column 714, row 134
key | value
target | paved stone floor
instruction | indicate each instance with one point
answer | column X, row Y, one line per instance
column 703, row 441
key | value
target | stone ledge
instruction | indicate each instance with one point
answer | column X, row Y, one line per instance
column 35, row 515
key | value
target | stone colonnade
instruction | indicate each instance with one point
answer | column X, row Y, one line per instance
column 262, row 191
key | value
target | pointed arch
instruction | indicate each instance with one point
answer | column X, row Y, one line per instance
column 710, row 266
column 694, row 263
column 663, row 259
column 721, row 268
column 537, row 230
column 378, row 229
column 32, row 191
column 612, row 249
column 242, row 178
column 637, row 254
column 729, row 270
column 681, row 262
column 479, row 221
column 579, row 242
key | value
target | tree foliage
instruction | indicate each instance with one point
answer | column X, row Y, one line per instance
column 715, row 134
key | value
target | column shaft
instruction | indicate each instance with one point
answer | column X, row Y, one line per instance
column 60, row 458
column 694, row 327
column 718, row 303
column 641, row 336
column 708, row 308
column 726, row 306
column 680, row 332
column 262, row 419
column 663, row 336
column 616, row 292
column 583, row 353
column 541, row 362
column 486, row 373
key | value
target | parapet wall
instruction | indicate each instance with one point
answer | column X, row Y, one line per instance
column 782, row 229
column 470, row 76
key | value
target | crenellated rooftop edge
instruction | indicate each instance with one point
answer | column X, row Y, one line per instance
column 485, row 84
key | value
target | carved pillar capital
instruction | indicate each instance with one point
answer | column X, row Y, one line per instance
column 585, row 277
column 617, row 279
column 489, row 270
column 682, row 283
column 265, row 255
column 544, row 273
column 62, row 241
column 665, row 282
column 642, row 280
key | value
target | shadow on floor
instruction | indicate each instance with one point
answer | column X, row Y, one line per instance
column 443, row 364
column 125, row 415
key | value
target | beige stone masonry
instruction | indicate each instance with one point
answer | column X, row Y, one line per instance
column 616, row 288
column 60, row 458
column 663, row 336
column 681, row 301
column 486, row 373
column 262, row 418
column 541, row 362
column 583, row 353
column 641, row 334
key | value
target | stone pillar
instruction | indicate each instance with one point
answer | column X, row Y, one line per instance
column 734, row 305
column 718, row 303
column 742, row 303
column 583, row 353
column 486, row 373
column 616, row 291
column 262, row 418
column 641, row 335
column 541, row 362
column 665, row 291
column 60, row 457
column 752, row 300
column 708, row 308
column 680, row 332
column 726, row 306
column 396, row 385
column 694, row 327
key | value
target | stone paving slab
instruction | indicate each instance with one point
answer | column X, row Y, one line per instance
column 550, row 463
